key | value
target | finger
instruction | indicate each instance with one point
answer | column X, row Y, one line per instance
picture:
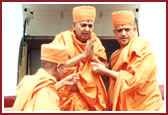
column 94, row 68
column 92, row 46
column 92, row 40
column 76, row 76
column 87, row 44
column 77, row 80
column 93, row 63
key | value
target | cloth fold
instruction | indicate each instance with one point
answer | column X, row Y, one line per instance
column 135, row 88
column 54, row 53
column 92, row 92
column 37, row 93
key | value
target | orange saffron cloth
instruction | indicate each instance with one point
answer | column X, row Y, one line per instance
column 92, row 94
column 135, row 88
column 54, row 53
column 83, row 13
column 37, row 93
column 123, row 18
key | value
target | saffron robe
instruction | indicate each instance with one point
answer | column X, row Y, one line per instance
column 135, row 88
column 92, row 94
column 37, row 93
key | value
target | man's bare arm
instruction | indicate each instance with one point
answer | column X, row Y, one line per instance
column 102, row 70
column 69, row 80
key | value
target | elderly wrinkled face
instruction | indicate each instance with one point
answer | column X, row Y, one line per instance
column 124, row 34
column 83, row 30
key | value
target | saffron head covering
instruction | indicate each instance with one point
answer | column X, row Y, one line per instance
column 122, row 18
column 82, row 13
column 54, row 53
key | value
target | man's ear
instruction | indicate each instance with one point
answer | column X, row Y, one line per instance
column 57, row 67
column 134, row 29
column 73, row 25
column 114, row 31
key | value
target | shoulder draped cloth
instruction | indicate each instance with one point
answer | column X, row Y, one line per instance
column 135, row 88
column 37, row 93
column 92, row 93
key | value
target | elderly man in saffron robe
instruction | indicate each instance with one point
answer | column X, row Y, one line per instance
column 84, row 47
column 133, row 84
column 38, row 92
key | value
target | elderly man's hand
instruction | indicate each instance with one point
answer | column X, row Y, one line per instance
column 71, row 79
column 98, row 68
column 89, row 49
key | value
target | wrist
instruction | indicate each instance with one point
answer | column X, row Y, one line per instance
column 63, row 82
column 94, row 58
column 83, row 56
column 105, row 71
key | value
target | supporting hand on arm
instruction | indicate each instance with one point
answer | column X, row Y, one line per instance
column 69, row 80
column 102, row 70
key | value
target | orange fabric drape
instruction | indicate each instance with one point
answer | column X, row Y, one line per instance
column 92, row 93
column 83, row 13
column 37, row 93
column 123, row 18
column 54, row 53
column 135, row 88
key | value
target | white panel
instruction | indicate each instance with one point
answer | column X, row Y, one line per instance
column 152, row 26
column 12, row 31
column 50, row 19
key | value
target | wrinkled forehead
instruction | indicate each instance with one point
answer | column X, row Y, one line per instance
column 124, row 27
column 85, row 22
